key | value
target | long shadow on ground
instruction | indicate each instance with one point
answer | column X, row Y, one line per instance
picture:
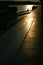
column 8, row 20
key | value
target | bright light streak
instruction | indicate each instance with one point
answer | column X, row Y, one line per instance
column 30, row 22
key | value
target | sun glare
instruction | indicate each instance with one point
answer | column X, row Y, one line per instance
column 30, row 7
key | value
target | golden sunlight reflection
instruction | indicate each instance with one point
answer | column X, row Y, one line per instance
column 28, row 44
column 30, row 22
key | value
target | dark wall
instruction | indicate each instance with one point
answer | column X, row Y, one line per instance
column 4, row 5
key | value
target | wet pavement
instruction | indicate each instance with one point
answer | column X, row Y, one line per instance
column 22, row 44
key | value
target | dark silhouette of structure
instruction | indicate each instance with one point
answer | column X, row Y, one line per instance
column 6, row 14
